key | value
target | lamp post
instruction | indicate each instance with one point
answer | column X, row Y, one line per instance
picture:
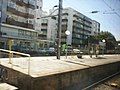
column 67, row 33
column 103, row 46
column 10, row 42
column 118, row 48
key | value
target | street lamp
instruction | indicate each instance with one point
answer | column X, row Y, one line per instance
column 103, row 45
column 103, row 40
column 104, row 12
column 10, row 42
column 118, row 48
column 67, row 33
column 94, row 11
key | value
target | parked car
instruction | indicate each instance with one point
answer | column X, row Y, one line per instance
column 76, row 50
column 42, row 51
column 51, row 51
column 47, row 51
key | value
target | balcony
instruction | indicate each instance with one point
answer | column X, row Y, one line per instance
column 64, row 20
column 42, row 37
column 18, row 13
column 22, row 3
column 77, row 31
column 17, row 23
column 44, row 24
column 77, row 22
column 76, row 26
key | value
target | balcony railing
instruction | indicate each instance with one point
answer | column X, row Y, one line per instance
column 22, row 3
column 11, row 21
column 18, row 13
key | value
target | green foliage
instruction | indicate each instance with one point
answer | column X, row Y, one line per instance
column 64, row 46
column 109, row 39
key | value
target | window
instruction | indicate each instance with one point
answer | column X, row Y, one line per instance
column 12, row 4
column 25, row 1
column 44, row 20
column 21, row 9
column 31, row 21
column 37, row 7
column 53, row 18
column 32, row 2
column 31, row 11
column 21, row 19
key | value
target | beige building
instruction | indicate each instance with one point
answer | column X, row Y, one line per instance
column 17, row 24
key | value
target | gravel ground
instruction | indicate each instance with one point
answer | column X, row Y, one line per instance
column 110, row 84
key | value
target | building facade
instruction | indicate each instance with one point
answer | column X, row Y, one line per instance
column 38, row 15
column 95, row 27
column 79, row 25
column 18, row 13
column 23, row 39
column 48, row 31
column 17, row 23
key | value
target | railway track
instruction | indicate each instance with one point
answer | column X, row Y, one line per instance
column 109, row 83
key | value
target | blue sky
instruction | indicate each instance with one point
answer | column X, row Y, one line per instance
column 109, row 22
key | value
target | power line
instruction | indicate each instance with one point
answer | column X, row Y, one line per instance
column 114, row 10
column 111, row 8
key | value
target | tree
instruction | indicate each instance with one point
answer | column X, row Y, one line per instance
column 109, row 40
column 92, row 40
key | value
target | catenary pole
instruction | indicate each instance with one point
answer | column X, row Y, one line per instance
column 59, row 29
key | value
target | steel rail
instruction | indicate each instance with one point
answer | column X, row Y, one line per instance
column 87, row 88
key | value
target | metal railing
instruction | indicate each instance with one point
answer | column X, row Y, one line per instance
column 11, row 56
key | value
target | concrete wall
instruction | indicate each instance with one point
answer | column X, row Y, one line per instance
column 74, row 80
column 16, row 78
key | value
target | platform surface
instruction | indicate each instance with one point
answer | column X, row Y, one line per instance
column 42, row 66
column 5, row 86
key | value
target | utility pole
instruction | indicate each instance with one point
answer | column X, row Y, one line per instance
column 1, row 2
column 59, row 29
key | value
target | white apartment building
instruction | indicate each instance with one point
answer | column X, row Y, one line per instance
column 79, row 25
column 95, row 27
column 48, row 30
column 38, row 15
column 52, row 28
column 18, row 23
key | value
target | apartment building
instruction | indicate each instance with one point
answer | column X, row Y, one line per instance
column 79, row 25
column 18, row 13
column 38, row 15
column 95, row 27
column 48, row 31
column 17, row 23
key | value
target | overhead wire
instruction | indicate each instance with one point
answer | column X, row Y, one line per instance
column 114, row 10
column 111, row 8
